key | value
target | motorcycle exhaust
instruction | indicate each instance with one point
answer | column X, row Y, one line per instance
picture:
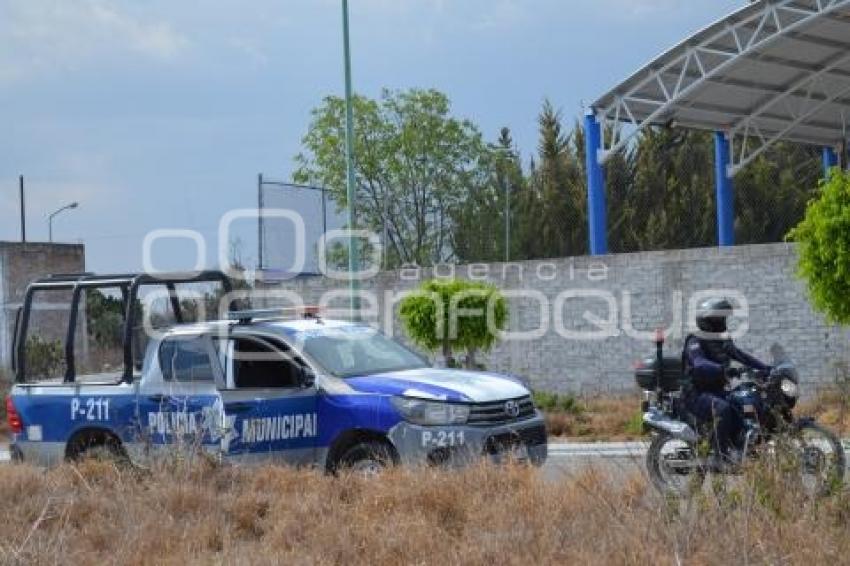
column 656, row 420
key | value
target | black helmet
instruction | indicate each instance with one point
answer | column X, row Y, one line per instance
column 712, row 315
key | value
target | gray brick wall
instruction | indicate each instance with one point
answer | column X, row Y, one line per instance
column 21, row 263
column 657, row 286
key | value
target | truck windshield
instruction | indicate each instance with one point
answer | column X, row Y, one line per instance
column 356, row 351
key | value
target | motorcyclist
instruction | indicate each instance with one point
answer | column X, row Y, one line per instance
column 707, row 357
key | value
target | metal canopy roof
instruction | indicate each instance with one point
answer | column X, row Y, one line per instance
column 774, row 70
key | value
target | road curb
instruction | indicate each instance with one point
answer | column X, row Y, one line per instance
column 612, row 449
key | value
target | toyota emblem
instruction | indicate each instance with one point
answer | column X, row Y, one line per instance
column 512, row 409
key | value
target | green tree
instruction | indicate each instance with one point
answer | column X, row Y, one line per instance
column 454, row 316
column 414, row 164
column 480, row 220
column 556, row 207
column 824, row 242
column 672, row 201
column 772, row 192
column 105, row 318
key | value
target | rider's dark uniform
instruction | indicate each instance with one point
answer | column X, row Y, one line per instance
column 707, row 362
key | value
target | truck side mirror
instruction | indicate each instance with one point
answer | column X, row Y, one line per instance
column 307, row 377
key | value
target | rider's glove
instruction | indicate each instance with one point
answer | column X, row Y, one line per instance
column 733, row 373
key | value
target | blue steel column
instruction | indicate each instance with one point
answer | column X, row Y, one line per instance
column 725, row 193
column 596, row 207
column 830, row 160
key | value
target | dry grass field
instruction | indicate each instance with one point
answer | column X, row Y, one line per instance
column 832, row 409
column 617, row 417
column 598, row 418
column 97, row 513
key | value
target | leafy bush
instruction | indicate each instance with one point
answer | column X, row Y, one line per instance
column 635, row 426
column 43, row 357
column 824, row 240
column 554, row 402
column 105, row 318
column 429, row 320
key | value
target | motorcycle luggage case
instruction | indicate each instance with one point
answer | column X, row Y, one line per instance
column 672, row 377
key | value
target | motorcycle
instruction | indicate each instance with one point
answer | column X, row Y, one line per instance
column 681, row 454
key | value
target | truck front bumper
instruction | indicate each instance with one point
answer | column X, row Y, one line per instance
column 460, row 445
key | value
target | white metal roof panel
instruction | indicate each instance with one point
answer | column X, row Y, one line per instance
column 774, row 70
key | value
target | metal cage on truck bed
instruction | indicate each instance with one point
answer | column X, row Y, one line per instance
column 129, row 284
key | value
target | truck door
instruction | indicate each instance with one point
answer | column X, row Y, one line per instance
column 178, row 398
column 270, row 414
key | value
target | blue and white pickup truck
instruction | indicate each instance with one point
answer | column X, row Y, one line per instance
column 270, row 386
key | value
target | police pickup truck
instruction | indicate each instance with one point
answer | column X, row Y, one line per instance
column 274, row 385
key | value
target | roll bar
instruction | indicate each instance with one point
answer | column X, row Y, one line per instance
column 128, row 283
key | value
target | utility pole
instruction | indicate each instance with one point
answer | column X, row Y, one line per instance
column 23, row 211
column 260, row 209
column 353, row 252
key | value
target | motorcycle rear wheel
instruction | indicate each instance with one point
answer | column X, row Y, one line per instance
column 674, row 467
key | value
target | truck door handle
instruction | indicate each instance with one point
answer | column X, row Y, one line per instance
column 237, row 408
column 159, row 398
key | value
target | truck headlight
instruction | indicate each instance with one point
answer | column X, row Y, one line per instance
column 421, row 412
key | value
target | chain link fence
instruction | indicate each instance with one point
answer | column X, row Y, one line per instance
column 661, row 194
column 277, row 238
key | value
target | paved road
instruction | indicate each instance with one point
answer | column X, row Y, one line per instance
column 619, row 459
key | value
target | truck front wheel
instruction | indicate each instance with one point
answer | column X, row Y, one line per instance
column 368, row 458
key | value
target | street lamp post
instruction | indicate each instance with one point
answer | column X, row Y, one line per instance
column 353, row 252
column 50, row 218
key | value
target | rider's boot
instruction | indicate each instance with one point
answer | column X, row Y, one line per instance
column 726, row 463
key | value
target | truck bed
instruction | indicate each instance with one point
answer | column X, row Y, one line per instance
column 109, row 378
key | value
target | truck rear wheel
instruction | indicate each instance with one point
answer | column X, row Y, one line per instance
column 96, row 445
column 368, row 458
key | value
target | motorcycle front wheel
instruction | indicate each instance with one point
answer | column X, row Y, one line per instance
column 674, row 466
column 822, row 458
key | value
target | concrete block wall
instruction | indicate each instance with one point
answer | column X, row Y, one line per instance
column 635, row 293
column 20, row 263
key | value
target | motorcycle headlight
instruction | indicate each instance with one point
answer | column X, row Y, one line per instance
column 789, row 388
column 421, row 412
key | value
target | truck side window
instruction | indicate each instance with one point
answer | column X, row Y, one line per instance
column 259, row 365
column 185, row 360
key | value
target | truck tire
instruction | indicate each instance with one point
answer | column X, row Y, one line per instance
column 368, row 458
column 96, row 446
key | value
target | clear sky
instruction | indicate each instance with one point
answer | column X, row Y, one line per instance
column 160, row 113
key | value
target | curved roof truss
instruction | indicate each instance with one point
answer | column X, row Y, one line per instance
column 774, row 70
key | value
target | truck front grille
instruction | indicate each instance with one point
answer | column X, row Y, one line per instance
column 501, row 412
